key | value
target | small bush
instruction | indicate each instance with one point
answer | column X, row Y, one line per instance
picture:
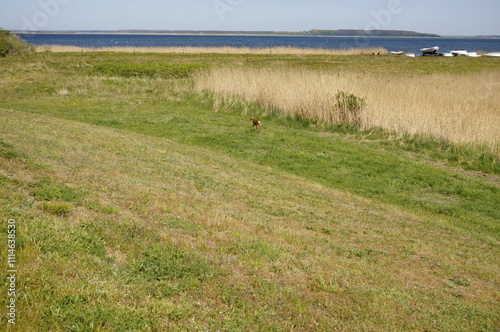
column 13, row 45
column 349, row 108
column 152, row 70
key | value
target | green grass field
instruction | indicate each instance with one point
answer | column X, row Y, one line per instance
column 139, row 208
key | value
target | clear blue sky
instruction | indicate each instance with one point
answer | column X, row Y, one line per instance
column 445, row 17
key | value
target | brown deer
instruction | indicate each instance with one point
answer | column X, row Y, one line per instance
column 257, row 124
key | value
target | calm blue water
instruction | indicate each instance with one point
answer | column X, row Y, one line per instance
column 391, row 44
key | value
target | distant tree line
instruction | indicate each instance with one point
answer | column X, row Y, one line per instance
column 373, row 33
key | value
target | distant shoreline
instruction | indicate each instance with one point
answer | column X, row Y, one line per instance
column 311, row 33
column 234, row 33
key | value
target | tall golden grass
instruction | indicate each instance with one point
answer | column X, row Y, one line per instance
column 215, row 50
column 461, row 108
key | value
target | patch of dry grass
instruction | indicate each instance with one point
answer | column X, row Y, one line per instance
column 461, row 108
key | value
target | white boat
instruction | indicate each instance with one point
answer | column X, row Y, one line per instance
column 396, row 52
column 448, row 54
column 473, row 55
column 430, row 50
column 411, row 55
column 493, row 54
column 459, row 52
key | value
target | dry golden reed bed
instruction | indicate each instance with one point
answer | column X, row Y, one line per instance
column 461, row 108
column 215, row 50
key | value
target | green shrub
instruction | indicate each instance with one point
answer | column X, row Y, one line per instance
column 13, row 45
column 152, row 70
column 349, row 107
